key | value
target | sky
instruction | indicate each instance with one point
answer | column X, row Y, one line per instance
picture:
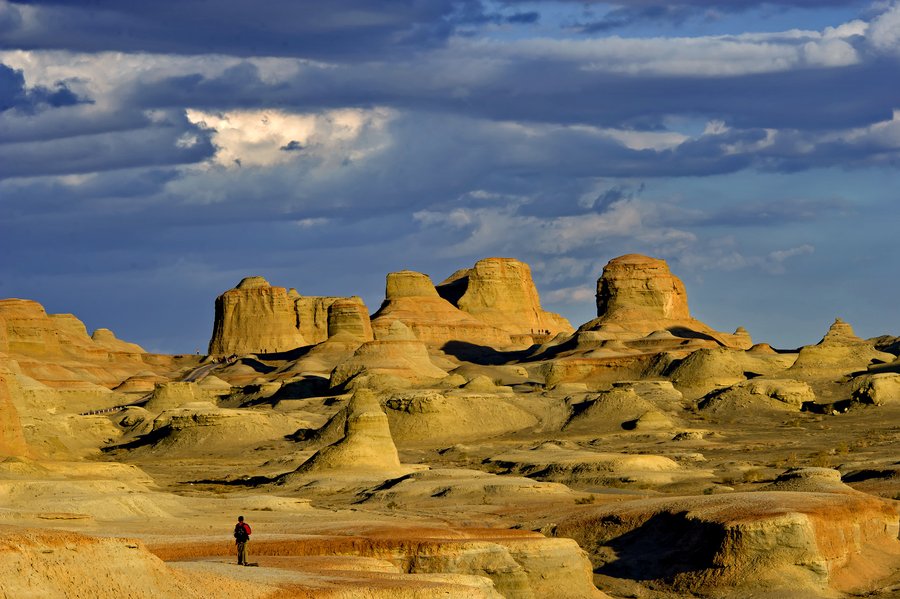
column 152, row 154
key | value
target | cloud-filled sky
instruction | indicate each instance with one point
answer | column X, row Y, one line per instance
column 152, row 154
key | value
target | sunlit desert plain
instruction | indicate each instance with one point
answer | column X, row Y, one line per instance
column 460, row 441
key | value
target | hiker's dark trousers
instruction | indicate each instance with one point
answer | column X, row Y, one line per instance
column 242, row 552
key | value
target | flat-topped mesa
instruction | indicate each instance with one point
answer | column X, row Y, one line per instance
column 501, row 292
column 638, row 295
column 313, row 314
column 255, row 317
column 635, row 288
column 410, row 297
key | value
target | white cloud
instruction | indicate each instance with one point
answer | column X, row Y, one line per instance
column 571, row 295
column 884, row 31
column 263, row 137
column 709, row 56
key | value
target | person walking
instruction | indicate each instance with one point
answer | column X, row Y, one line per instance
column 241, row 538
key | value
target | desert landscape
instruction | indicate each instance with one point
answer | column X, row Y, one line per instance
column 458, row 441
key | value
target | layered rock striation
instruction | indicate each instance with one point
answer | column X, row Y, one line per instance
column 501, row 292
column 411, row 298
column 254, row 317
column 638, row 296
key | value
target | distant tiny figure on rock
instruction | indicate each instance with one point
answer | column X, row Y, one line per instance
column 241, row 538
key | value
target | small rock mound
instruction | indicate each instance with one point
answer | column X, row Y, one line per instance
column 432, row 418
column 814, row 480
column 838, row 353
column 877, row 389
column 758, row 394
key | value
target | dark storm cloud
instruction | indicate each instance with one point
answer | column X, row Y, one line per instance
column 547, row 90
column 15, row 96
column 164, row 143
column 336, row 29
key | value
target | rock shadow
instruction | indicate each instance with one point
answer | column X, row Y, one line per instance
column 664, row 547
column 482, row 355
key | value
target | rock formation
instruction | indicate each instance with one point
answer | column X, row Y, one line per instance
column 107, row 339
column 500, row 292
column 800, row 544
column 749, row 397
column 410, row 297
column 314, row 315
column 877, row 389
column 839, row 352
column 366, row 446
column 396, row 357
column 29, row 330
column 637, row 295
column 349, row 319
column 12, row 440
column 254, row 317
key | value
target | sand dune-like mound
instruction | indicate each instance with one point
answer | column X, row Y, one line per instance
column 707, row 369
column 608, row 411
column 411, row 298
column 108, row 340
column 201, row 428
column 434, row 418
column 174, row 394
column 758, row 394
column 501, row 292
column 550, row 461
column 457, row 487
column 782, row 543
column 810, row 479
column 838, row 353
column 398, row 358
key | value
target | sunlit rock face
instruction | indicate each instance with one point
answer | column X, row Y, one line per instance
column 255, row 317
column 639, row 288
column 501, row 292
column 638, row 296
column 411, row 298
column 12, row 440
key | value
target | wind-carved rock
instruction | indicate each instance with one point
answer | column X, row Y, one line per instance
column 396, row 358
column 501, row 292
column 839, row 352
column 348, row 318
column 314, row 314
column 366, row 446
column 255, row 317
column 638, row 295
column 411, row 298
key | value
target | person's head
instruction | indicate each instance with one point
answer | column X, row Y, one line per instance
column 240, row 518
